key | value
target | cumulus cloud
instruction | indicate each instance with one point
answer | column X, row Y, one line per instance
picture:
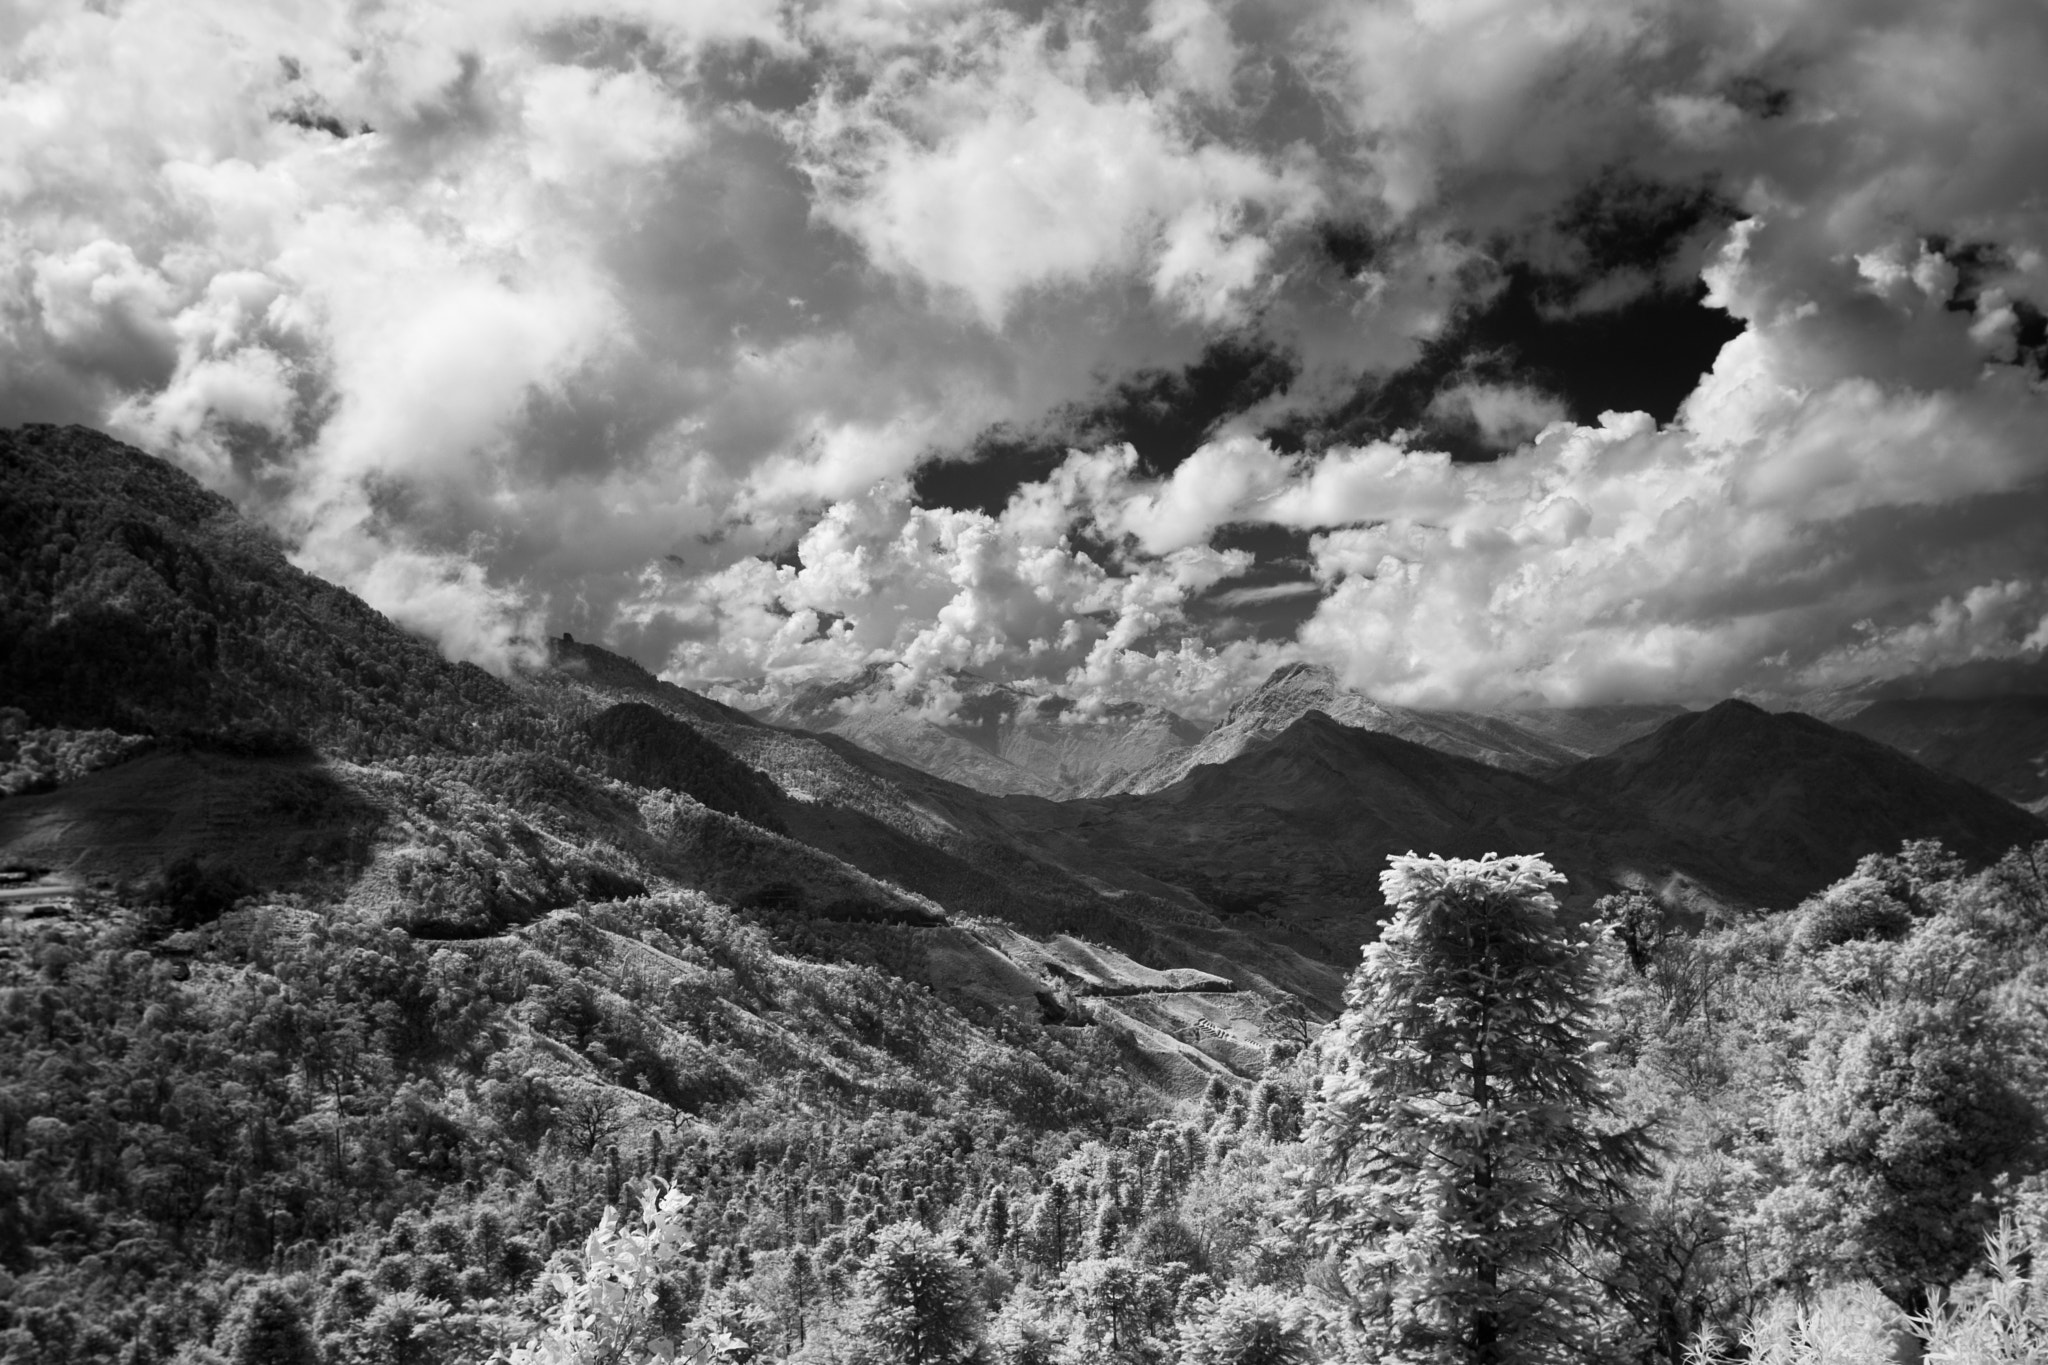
column 1997, row 620
column 929, row 591
column 635, row 320
column 1504, row 415
column 1013, row 176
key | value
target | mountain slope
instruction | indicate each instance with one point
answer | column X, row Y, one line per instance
column 1794, row 796
column 135, row 600
column 1999, row 743
column 964, row 849
column 1589, row 731
column 461, row 807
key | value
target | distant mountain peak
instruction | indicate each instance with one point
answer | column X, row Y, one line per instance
column 1299, row 673
column 1301, row 679
column 994, row 736
column 1518, row 742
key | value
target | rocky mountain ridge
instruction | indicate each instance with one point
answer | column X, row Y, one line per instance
column 1518, row 741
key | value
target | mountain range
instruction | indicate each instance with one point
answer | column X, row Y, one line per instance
column 273, row 727
column 984, row 734
column 1004, row 740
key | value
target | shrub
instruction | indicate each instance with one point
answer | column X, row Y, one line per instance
column 1853, row 908
column 608, row 1315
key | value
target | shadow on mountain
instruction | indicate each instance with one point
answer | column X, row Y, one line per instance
column 2000, row 743
column 642, row 745
column 1792, row 799
column 262, row 823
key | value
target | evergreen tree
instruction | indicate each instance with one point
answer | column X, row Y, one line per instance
column 1045, row 1234
column 803, row 1287
column 1246, row 1325
column 996, row 1221
column 1119, row 1304
column 1460, row 1163
column 1637, row 921
column 268, row 1328
column 1107, row 1232
column 918, row 1304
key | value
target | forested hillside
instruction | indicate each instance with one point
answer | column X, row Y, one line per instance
column 343, row 989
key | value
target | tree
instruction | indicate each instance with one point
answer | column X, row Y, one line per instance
column 268, row 1328
column 1117, row 1305
column 918, row 1302
column 1904, row 1127
column 1247, row 1325
column 1045, row 1232
column 1638, row 924
column 996, row 1220
column 594, row 1118
column 1108, row 1230
column 1464, row 1155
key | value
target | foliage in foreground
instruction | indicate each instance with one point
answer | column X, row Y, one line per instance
column 1998, row 1315
column 622, row 1309
column 295, row 1133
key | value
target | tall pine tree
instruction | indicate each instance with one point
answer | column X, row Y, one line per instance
column 1466, row 1154
column 919, row 1305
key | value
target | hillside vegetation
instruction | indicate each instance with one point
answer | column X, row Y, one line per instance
column 343, row 989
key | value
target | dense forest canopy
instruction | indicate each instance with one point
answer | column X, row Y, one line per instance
column 310, row 1106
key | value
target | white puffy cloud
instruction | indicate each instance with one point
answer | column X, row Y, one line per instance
column 615, row 301
column 1015, row 175
column 930, row 590
column 591, row 127
column 1202, row 53
column 1505, row 415
column 1997, row 620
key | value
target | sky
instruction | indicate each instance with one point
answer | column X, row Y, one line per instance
column 1491, row 352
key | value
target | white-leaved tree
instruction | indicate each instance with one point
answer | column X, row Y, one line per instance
column 1466, row 1161
column 612, row 1314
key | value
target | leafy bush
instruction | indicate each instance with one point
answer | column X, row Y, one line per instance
column 1853, row 908
column 608, row 1313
